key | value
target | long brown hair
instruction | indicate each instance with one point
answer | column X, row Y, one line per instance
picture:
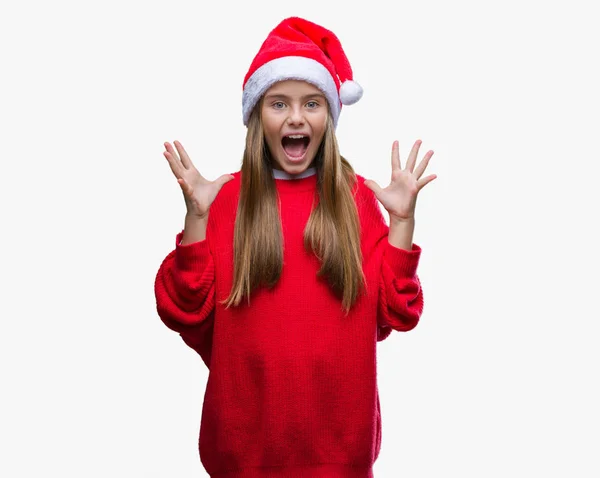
column 332, row 232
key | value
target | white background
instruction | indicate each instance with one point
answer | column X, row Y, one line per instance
column 499, row 379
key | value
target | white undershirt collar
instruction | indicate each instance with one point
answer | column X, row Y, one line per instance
column 280, row 174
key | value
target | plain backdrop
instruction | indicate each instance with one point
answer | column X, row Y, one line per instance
column 499, row 379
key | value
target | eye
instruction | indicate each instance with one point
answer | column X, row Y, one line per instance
column 312, row 104
column 278, row 105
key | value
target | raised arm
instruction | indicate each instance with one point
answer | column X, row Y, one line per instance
column 401, row 296
column 400, row 301
column 185, row 282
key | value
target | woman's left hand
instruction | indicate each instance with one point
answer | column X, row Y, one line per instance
column 400, row 197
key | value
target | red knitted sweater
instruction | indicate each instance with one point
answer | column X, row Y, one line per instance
column 292, row 384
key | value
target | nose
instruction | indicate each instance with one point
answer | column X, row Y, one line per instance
column 296, row 115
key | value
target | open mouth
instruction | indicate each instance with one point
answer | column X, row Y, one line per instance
column 295, row 145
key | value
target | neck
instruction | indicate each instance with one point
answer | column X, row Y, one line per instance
column 280, row 174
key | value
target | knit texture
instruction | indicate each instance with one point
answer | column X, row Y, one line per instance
column 292, row 386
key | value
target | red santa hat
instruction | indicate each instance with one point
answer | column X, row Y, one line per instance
column 297, row 49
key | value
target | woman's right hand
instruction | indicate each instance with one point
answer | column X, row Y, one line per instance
column 198, row 192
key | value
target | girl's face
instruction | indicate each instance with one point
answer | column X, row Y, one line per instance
column 294, row 117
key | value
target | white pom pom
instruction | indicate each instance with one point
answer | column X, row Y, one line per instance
column 350, row 92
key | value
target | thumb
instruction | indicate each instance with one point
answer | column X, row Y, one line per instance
column 373, row 186
column 223, row 179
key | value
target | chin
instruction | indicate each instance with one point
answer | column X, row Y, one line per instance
column 295, row 166
column 298, row 169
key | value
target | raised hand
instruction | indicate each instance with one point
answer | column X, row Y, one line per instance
column 198, row 192
column 400, row 197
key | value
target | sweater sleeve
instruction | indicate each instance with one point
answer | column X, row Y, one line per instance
column 400, row 294
column 400, row 300
column 185, row 294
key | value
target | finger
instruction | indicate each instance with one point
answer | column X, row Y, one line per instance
column 223, row 179
column 174, row 155
column 185, row 159
column 412, row 157
column 395, row 156
column 171, row 150
column 175, row 165
column 373, row 186
column 423, row 164
column 425, row 180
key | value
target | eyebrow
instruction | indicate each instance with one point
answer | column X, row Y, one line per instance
column 281, row 95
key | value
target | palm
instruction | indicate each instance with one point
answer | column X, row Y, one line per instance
column 399, row 198
column 198, row 192
column 201, row 191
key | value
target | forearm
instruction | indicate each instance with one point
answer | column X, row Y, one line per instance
column 194, row 229
column 401, row 297
column 185, row 284
column 401, row 233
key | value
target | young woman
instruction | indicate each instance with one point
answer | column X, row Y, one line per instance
column 286, row 275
